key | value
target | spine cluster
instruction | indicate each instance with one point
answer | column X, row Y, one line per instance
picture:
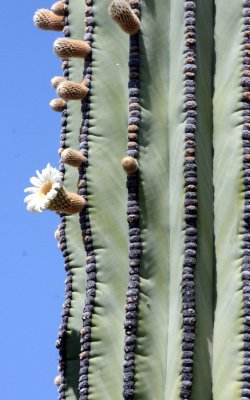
column 133, row 213
column 190, row 177
column 60, row 343
column 85, row 334
column 245, row 83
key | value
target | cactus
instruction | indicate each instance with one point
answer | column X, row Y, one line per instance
column 153, row 196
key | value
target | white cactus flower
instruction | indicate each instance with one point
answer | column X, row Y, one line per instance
column 44, row 189
column 48, row 193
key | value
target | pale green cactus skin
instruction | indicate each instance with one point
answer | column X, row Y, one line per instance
column 218, row 348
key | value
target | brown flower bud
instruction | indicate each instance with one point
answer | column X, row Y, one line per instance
column 59, row 8
column 121, row 12
column 129, row 164
column 67, row 48
column 55, row 82
column 72, row 157
column 69, row 90
column 57, row 105
column 58, row 380
column 47, row 20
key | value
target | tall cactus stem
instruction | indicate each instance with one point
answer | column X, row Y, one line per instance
column 67, row 48
column 121, row 12
column 160, row 279
column 245, row 83
column 190, row 176
column 85, row 334
column 47, row 20
column 133, row 216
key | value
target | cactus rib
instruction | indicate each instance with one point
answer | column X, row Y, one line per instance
column 133, row 217
column 88, row 309
column 155, row 347
column 188, row 289
column 245, row 84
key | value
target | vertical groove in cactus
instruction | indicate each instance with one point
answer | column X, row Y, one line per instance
column 245, row 82
column 85, row 222
column 152, row 321
column 205, row 262
column 203, row 272
column 133, row 215
column 191, row 204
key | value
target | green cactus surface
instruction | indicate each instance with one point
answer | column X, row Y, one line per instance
column 157, row 292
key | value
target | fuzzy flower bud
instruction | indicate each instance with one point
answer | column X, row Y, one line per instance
column 58, row 105
column 121, row 13
column 69, row 90
column 55, row 82
column 67, row 48
column 129, row 164
column 72, row 157
column 47, row 20
column 59, row 8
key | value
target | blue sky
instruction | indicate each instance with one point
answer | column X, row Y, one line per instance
column 32, row 272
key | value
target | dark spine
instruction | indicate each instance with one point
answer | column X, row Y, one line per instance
column 61, row 340
column 245, row 84
column 133, row 215
column 85, row 334
column 190, row 204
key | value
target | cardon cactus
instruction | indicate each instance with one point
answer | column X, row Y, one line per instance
column 153, row 194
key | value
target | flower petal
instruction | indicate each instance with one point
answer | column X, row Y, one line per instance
column 35, row 181
column 31, row 189
column 29, row 198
